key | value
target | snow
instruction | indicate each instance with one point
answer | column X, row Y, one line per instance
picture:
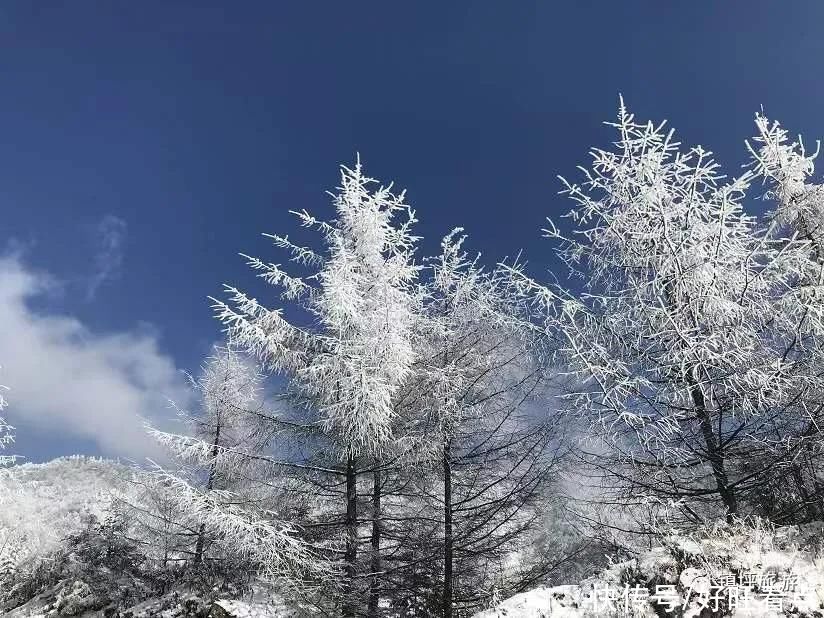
column 173, row 605
column 781, row 553
column 561, row 601
column 689, row 355
column 41, row 504
column 243, row 609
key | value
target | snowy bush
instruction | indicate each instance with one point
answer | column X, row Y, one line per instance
column 742, row 568
column 42, row 504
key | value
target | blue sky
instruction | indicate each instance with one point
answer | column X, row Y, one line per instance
column 144, row 144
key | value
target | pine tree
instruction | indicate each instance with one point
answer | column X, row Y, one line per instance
column 224, row 437
column 797, row 269
column 208, row 508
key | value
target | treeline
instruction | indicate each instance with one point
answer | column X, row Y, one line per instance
column 430, row 406
column 410, row 446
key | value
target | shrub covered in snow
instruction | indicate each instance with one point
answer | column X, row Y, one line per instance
column 745, row 568
column 70, row 546
column 42, row 504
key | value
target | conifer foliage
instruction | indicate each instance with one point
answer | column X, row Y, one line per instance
column 349, row 362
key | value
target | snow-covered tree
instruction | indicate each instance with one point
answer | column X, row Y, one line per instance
column 347, row 363
column 797, row 271
column 470, row 405
column 223, row 437
column 672, row 333
column 208, row 499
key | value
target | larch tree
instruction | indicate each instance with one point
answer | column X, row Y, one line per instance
column 349, row 360
column 796, row 233
column 669, row 334
column 477, row 379
column 206, row 506
column 224, row 435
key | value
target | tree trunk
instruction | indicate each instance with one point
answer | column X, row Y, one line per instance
column 447, row 531
column 714, row 452
column 210, row 482
column 819, row 497
column 801, row 486
column 374, row 588
column 351, row 554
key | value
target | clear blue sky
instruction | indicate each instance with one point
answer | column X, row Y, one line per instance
column 197, row 126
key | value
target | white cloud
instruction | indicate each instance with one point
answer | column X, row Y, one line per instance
column 110, row 232
column 70, row 381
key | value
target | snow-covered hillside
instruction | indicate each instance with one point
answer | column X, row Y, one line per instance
column 41, row 504
column 63, row 553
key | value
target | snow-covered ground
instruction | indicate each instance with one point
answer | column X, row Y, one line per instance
column 243, row 609
column 757, row 572
column 173, row 605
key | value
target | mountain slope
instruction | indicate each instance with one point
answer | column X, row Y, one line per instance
column 41, row 504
